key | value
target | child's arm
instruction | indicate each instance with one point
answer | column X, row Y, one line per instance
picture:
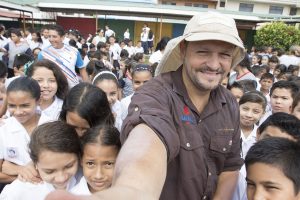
column 26, row 173
column 4, row 178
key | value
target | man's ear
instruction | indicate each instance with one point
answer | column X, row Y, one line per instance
column 182, row 48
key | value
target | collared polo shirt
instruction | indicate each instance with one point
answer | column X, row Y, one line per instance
column 200, row 146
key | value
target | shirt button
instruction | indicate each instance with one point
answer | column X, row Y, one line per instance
column 230, row 142
column 188, row 144
column 199, row 121
column 204, row 197
column 209, row 174
column 224, row 149
column 136, row 109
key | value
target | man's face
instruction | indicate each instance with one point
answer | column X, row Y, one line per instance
column 268, row 182
column 206, row 63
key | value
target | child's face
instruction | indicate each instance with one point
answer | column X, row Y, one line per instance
column 265, row 61
column 272, row 65
column 296, row 111
column 250, row 113
column 274, row 131
column 98, row 163
column 19, row 72
column 139, row 78
column 57, row 168
column 237, row 93
column 111, row 90
column 15, row 38
column 22, row 106
column 268, row 182
column 276, row 72
column 47, row 82
column 139, row 44
column 281, row 100
column 254, row 60
column 266, row 84
column 80, row 124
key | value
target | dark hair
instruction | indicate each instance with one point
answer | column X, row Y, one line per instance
column 138, row 56
column 259, row 57
column 61, row 80
column 274, row 59
column 15, row 31
column 54, row 136
column 101, row 45
column 296, row 101
column 248, row 85
column 141, row 67
column 124, row 53
column 92, row 46
column 25, row 84
column 285, row 122
column 90, row 103
column 73, row 43
column 38, row 34
column 254, row 97
column 3, row 69
column 161, row 45
column 245, row 63
column 94, row 67
column 281, row 67
column 105, row 76
column 267, row 76
column 21, row 59
column 256, row 70
column 280, row 153
column 59, row 29
column 292, row 68
column 235, row 84
column 289, row 85
column 103, row 135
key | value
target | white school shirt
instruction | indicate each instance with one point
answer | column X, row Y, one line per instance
column 138, row 49
column 14, row 140
column 81, row 188
column 240, row 192
column 125, row 104
column 19, row 190
column 155, row 57
column 249, row 141
column 54, row 109
column 117, row 108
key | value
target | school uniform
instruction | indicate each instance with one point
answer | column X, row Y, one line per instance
column 54, row 109
column 125, row 104
column 81, row 188
column 14, row 140
column 27, row 191
column 248, row 142
column 117, row 108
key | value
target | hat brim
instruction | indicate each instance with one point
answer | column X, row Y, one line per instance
column 172, row 60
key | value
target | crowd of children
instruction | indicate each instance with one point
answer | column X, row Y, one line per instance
column 57, row 134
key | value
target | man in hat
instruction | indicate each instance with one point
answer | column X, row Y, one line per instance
column 181, row 136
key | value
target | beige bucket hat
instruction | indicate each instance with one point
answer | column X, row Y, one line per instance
column 204, row 26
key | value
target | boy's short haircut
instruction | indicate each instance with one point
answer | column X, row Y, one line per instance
column 289, row 85
column 101, row 45
column 235, row 84
column 248, row 85
column 280, row 153
column 285, row 122
column 245, row 63
column 3, row 69
column 281, row 67
column 274, row 59
column 267, row 76
column 256, row 70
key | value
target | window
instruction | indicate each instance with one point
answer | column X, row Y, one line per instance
column 246, row 7
column 276, row 10
column 222, row 4
column 293, row 11
column 199, row 5
column 169, row 3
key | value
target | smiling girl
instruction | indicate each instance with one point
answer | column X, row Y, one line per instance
column 53, row 84
column 23, row 96
column 54, row 150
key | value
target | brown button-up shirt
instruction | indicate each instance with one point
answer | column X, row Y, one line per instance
column 199, row 145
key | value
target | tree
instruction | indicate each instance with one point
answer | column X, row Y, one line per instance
column 277, row 35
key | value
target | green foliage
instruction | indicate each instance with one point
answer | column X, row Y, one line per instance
column 278, row 35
